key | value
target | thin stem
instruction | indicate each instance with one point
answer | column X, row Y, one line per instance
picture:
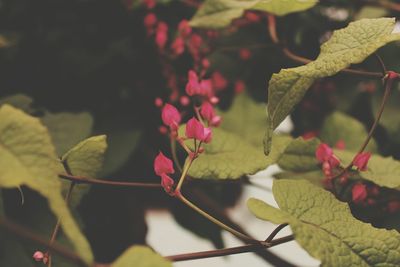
column 174, row 156
column 214, row 220
column 229, row 251
column 381, row 63
column 94, row 181
column 275, row 232
column 26, row 234
column 289, row 54
column 186, row 167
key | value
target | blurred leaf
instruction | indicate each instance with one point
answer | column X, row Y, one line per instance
column 339, row 126
column 325, row 227
column 230, row 157
column 370, row 12
column 220, row 13
column 347, row 46
column 85, row 159
column 315, row 177
column 121, row 145
column 381, row 171
column 299, row 155
column 67, row 129
column 140, row 256
column 27, row 157
column 246, row 118
column 19, row 101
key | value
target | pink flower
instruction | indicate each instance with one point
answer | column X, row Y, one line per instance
column 150, row 20
column 219, row 82
column 178, row 46
column 323, row 152
column 361, row 161
column 158, row 102
column 163, row 165
column 207, row 111
column 38, row 256
column 161, row 35
column 340, row 145
column 184, row 28
column 149, row 3
column 205, row 63
column 216, row 121
column 239, row 86
column 170, row 116
column 184, row 100
column 309, row 135
column 167, row 183
column 196, row 87
column 196, row 130
column 359, row 193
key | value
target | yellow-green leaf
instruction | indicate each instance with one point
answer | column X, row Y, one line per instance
column 347, row 46
column 140, row 256
column 325, row 227
column 27, row 157
column 284, row 7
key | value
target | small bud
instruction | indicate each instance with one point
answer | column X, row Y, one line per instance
column 38, row 256
column 162, row 129
column 207, row 111
column 150, row 20
column 323, row 153
column 361, row 161
column 161, row 35
column 393, row 206
column 218, row 80
column 201, row 149
column 340, row 145
column 244, row 54
column 184, row 100
column 167, row 183
column 149, row 3
column 216, row 121
column 309, row 135
column 214, row 100
column 158, row 102
column 170, row 116
column 184, row 28
column 178, row 46
column 239, row 86
column 205, row 63
column 359, row 193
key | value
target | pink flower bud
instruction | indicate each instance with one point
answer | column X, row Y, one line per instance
column 218, row 80
column 205, row 63
column 194, row 129
column 167, row 183
column 216, row 121
column 184, row 100
column 334, row 161
column 192, row 86
column 163, row 165
column 178, row 46
column 38, row 256
column 323, row 153
column 162, row 129
column 244, row 54
column 161, row 35
column 309, row 135
column 207, row 135
column 149, row 3
column 184, row 28
column 214, row 100
column 361, row 161
column 207, row 111
column 393, row 206
column 158, row 102
column 170, row 116
column 150, row 20
column 239, row 86
column 252, row 17
column 359, row 193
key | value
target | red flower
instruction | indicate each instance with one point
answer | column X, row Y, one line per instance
column 178, row 46
column 163, row 165
column 359, row 193
column 196, row 130
column 170, row 116
column 207, row 111
column 150, row 20
column 161, row 35
column 361, row 161
column 323, row 153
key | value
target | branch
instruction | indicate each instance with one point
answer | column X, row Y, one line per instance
column 289, row 54
column 26, row 234
column 229, row 251
column 94, row 181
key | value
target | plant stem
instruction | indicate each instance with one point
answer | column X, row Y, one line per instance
column 186, row 167
column 275, row 232
column 173, row 152
column 94, row 181
column 214, row 220
column 228, row 251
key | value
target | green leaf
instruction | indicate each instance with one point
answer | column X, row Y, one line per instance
column 339, row 126
column 27, row 157
column 121, row 145
column 85, row 159
column 67, row 129
column 315, row 177
column 246, row 118
column 284, row 7
column 299, row 155
column 229, row 157
column 347, row 46
column 19, row 101
column 220, row 13
column 325, row 227
column 140, row 256
column 381, row 171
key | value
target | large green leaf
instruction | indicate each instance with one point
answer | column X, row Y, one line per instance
column 315, row 177
column 27, row 157
column 347, row 46
column 246, row 118
column 382, row 171
column 230, row 157
column 140, row 256
column 325, row 227
column 220, row 13
column 339, row 126
column 299, row 155
column 67, row 129
column 85, row 159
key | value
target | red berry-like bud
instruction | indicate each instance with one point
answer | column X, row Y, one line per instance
column 361, row 161
column 359, row 193
column 38, row 256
